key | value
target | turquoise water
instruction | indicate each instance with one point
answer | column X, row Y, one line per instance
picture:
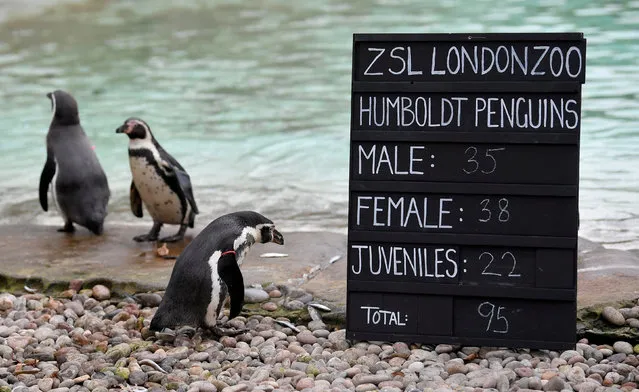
column 253, row 97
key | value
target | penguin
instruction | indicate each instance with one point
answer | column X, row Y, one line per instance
column 80, row 188
column 207, row 272
column 159, row 181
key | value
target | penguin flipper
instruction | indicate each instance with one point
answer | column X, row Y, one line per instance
column 136, row 201
column 185, row 184
column 231, row 275
column 48, row 171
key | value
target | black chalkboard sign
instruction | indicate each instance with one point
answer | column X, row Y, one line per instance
column 463, row 188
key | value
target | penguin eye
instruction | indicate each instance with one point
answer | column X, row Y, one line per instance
column 266, row 234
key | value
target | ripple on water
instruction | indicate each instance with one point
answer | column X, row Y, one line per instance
column 256, row 100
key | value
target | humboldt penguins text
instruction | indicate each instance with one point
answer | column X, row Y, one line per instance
column 451, row 112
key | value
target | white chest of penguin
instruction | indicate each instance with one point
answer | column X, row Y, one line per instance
column 159, row 199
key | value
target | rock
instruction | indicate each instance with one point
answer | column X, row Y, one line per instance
column 374, row 379
column 365, row 388
column 306, row 337
column 275, row 293
column 587, row 386
column 566, row 355
column 69, row 370
column 416, row 367
column 178, row 353
column 304, row 383
column 46, row 384
column 502, row 384
column 118, row 351
column 576, row 375
column 455, row 367
column 618, row 357
column 555, row 384
column 6, row 301
column 137, row 377
column 443, row 348
column 294, row 305
column 338, row 340
column 623, row 347
column 316, row 325
column 122, row 372
column 254, row 295
column 228, row 341
column 149, row 300
column 18, row 342
column 576, row 359
column 43, row 333
column 100, row 292
column 524, row 372
column 613, row 316
column 269, row 306
column 613, row 378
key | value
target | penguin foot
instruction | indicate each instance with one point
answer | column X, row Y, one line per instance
column 219, row 331
column 187, row 331
column 151, row 235
column 179, row 236
column 145, row 238
column 68, row 228
column 173, row 238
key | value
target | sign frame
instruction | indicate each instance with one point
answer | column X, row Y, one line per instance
column 468, row 310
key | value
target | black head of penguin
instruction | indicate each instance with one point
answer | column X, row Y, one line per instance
column 64, row 107
column 135, row 128
column 268, row 233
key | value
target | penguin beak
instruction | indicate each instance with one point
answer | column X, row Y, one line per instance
column 122, row 129
column 278, row 238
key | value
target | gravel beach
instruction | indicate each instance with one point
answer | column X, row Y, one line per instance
column 89, row 341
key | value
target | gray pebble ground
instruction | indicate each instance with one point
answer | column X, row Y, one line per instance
column 88, row 341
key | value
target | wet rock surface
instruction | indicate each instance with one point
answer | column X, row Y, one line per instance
column 43, row 259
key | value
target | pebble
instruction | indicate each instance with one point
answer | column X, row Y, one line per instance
column 623, row 347
column 294, row 305
column 93, row 342
column 100, row 292
column 255, row 295
column 613, row 316
column 270, row 306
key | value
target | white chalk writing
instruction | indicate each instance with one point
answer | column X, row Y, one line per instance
column 489, row 163
column 402, row 61
column 376, row 316
column 516, row 112
column 487, row 215
column 487, row 310
column 411, row 211
column 507, row 257
column 386, row 159
column 464, row 59
column 401, row 261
